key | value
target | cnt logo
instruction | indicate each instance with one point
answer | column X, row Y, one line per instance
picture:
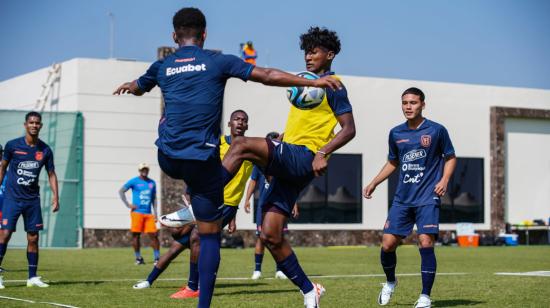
column 28, row 165
column 414, row 155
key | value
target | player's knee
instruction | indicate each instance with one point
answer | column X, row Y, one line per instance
column 426, row 242
column 32, row 237
column 238, row 145
column 272, row 242
column 388, row 247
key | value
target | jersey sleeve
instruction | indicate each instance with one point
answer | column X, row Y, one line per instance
column 445, row 143
column 255, row 175
column 129, row 184
column 149, row 80
column 338, row 101
column 7, row 155
column 49, row 161
column 233, row 66
column 392, row 148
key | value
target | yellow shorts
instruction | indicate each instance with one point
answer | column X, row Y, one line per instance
column 143, row 223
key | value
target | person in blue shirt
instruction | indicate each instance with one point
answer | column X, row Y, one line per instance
column 423, row 152
column 23, row 159
column 192, row 81
column 143, row 219
column 2, row 189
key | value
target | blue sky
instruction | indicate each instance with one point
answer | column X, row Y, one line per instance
column 491, row 42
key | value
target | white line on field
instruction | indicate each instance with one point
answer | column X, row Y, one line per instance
column 247, row 278
column 34, row 302
column 531, row 274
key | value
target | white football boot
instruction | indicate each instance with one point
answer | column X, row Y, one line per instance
column 386, row 293
column 37, row 282
column 280, row 275
column 142, row 285
column 313, row 297
column 179, row 218
column 256, row 275
column 423, row 301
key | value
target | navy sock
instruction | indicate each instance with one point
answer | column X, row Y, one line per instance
column 32, row 258
column 277, row 268
column 193, row 281
column 389, row 261
column 3, row 248
column 227, row 176
column 209, row 261
column 156, row 253
column 155, row 273
column 428, row 268
column 294, row 272
column 137, row 254
column 258, row 258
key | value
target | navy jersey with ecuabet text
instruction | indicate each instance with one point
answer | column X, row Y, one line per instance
column 421, row 154
column 25, row 164
column 192, row 81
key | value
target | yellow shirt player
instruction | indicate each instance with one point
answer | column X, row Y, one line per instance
column 308, row 139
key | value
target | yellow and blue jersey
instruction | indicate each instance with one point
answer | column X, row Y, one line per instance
column 234, row 190
column 314, row 128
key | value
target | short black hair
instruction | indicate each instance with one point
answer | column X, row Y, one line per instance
column 414, row 91
column 272, row 135
column 320, row 37
column 189, row 22
column 33, row 114
column 237, row 111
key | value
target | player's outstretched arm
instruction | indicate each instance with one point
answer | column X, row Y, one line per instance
column 249, row 192
column 129, row 87
column 278, row 78
column 448, row 169
column 342, row 137
column 52, row 177
column 386, row 171
column 122, row 194
column 3, row 166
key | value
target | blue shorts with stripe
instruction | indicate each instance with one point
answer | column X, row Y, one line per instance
column 401, row 220
column 290, row 166
column 29, row 209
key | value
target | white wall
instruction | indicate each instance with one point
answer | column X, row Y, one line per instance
column 527, row 170
column 120, row 131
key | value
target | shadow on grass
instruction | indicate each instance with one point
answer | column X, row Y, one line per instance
column 250, row 292
column 73, row 282
column 242, row 284
column 456, row 302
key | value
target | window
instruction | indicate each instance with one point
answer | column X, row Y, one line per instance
column 464, row 200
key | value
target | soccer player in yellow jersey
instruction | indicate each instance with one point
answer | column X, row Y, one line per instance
column 308, row 141
column 187, row 236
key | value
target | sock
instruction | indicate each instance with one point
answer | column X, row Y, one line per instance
column 277, row 268
column 155, row 273
column 156, row 253
column 32, row 258
column 258, row 258
column 209, row 261
column 227, row 176
column 294, row 272
column 3, row 248
column 428, row 268
column 137, row 254
column 388, row 261
column 193, row 281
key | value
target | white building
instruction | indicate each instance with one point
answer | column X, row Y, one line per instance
column 119, row 133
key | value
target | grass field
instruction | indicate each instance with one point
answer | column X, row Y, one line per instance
column 351, row 275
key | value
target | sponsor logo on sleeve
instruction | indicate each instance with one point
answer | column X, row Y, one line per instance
column 426, row 140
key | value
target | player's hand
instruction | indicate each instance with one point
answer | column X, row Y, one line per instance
column 368, row 190
column 441, row 188
column 128, row 87
column 232, row 227
column 247, row 207
column 295, row 211
column 132, row 207
column 319, row 164
column 328, row 82
column 55, row 205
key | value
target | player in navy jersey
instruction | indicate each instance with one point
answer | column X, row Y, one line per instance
column 423, row 152
column 24, row 158
column 192, row 81
column 143, row 209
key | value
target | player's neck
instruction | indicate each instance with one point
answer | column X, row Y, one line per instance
column 143, row 177
column 322, row 71
column 415, row 122
column 191, row 42
column 31, row 140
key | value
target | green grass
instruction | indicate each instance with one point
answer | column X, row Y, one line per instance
column 81, row 278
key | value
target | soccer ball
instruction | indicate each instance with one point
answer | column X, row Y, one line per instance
column 305, row 97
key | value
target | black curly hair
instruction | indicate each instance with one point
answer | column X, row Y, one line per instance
column 320, row 37
column 189, row 22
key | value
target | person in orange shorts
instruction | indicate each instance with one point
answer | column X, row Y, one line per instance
column 143, row 211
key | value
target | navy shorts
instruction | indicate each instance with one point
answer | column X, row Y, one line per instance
column 204, row 180
column 29, row 209
column 259, row 221
column 290, row 166
column 401, row 220
column 228, row 213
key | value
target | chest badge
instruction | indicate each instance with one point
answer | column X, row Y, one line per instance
column 426, row 140
column 39, row 156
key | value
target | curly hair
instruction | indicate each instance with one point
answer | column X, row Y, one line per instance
column 189, row 22
column 320, row 37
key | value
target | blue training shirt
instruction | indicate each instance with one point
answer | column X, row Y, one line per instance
column 144, row 193
column 24, row 165
column 192, row 81
column 421, row 154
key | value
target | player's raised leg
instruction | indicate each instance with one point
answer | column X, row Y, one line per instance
column 191, row 289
